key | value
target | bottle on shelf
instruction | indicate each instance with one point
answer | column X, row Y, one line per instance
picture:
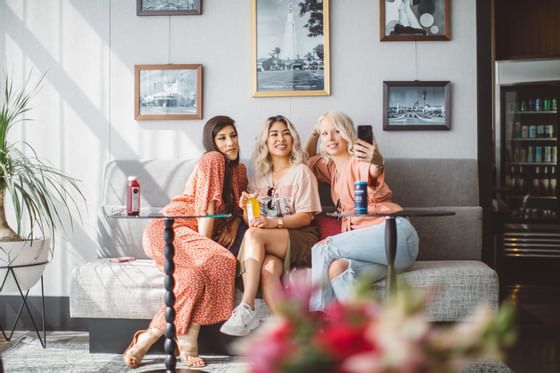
column 517, row 129
column 510, row 179
column 530, row 154
column 545, row 183
column 549, row 132
column 538, row 154
column 536, row 182
column 547, row 158
column 552, row 181
column 520, row 181
column 538, row 104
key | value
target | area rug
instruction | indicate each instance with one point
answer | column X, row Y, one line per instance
column 69, row 352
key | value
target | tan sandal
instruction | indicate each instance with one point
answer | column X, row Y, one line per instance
column 191, row 359
column 188, row 347
column 135, row 351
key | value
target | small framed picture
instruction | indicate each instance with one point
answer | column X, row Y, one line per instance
column 168, row 7
column 290, row 48
column 167, row 92
column 415, row 20
column 416, row 105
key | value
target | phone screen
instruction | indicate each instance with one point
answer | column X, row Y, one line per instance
column 365, row 133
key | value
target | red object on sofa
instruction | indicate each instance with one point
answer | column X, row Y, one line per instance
column 328, row 226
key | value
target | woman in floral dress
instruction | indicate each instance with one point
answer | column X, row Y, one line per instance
column 205, row 268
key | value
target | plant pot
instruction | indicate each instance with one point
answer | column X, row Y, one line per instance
column 24, row 259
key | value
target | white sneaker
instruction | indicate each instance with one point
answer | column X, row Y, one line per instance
column 242, row 321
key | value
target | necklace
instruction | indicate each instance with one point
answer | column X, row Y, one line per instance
column 275, row 175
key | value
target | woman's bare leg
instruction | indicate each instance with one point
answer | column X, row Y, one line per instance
column 271, row 273
column 258, row 243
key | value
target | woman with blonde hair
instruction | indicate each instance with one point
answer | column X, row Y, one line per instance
column 281, row 237
column 360, row 249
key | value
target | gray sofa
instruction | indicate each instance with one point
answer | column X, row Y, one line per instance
column 118, row 297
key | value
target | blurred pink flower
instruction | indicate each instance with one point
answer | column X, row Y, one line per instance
column 368, row 336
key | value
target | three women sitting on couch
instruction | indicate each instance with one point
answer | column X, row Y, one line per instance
column 282, row 237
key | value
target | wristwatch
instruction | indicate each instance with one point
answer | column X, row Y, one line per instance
column 279, row 223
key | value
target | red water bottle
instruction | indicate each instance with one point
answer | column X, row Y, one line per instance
column 133, row 196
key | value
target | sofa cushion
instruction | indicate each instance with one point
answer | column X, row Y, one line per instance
column 103, row 289
column 457, row 237
column 433, row 181
column 455, row 287
column 134, row 290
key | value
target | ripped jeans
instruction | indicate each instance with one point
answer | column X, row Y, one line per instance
column 364, row 249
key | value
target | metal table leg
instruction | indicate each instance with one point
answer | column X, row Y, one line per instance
column 390, row 252
column 169, row 298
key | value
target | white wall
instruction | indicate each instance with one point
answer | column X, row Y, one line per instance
column 88, row 50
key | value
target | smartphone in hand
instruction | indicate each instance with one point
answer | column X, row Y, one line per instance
column 365, row 132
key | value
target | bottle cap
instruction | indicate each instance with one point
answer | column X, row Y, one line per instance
column 131, row 178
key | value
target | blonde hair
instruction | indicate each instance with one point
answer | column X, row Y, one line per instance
column 344, row 124
column 261, row 155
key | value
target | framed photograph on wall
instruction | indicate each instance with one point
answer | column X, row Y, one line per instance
column 290, row 48
column 416, row 105
column 168, row 7
column 167, row 92
column 409, row 20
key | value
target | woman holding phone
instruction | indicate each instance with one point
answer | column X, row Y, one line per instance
column 360, row 249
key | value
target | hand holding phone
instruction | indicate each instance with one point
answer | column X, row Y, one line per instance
column 365, row 132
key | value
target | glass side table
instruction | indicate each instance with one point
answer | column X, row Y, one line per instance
column 169, row 280
column 391, row 234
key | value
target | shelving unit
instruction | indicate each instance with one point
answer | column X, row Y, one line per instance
column 527, row 193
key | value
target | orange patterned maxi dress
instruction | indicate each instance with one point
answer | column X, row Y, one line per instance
column 204, row 270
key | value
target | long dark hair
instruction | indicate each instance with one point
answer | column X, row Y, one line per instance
column 211, row 129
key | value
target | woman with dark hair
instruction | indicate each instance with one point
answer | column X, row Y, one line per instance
column 205, row 268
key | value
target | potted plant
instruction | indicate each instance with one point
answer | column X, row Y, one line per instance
column 42, row 197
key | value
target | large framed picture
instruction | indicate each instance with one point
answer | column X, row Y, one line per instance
column 290, row 48
column 164, row 92
column 168, row 7
column 408, row 20
column 416, row 105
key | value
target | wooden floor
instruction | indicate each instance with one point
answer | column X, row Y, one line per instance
column 538, row 320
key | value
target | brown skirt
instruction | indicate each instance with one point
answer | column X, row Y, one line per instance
column 298, row 253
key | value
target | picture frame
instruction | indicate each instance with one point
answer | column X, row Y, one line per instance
column 290, row 48
column 168, row 92
column 168, row 7
column 416, row 105
column 419, row 20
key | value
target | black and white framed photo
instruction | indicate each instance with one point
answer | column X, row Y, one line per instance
column 168, row 7
column 415, row 20
column 290, row 48
column 167, row 92
column 416, row 105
